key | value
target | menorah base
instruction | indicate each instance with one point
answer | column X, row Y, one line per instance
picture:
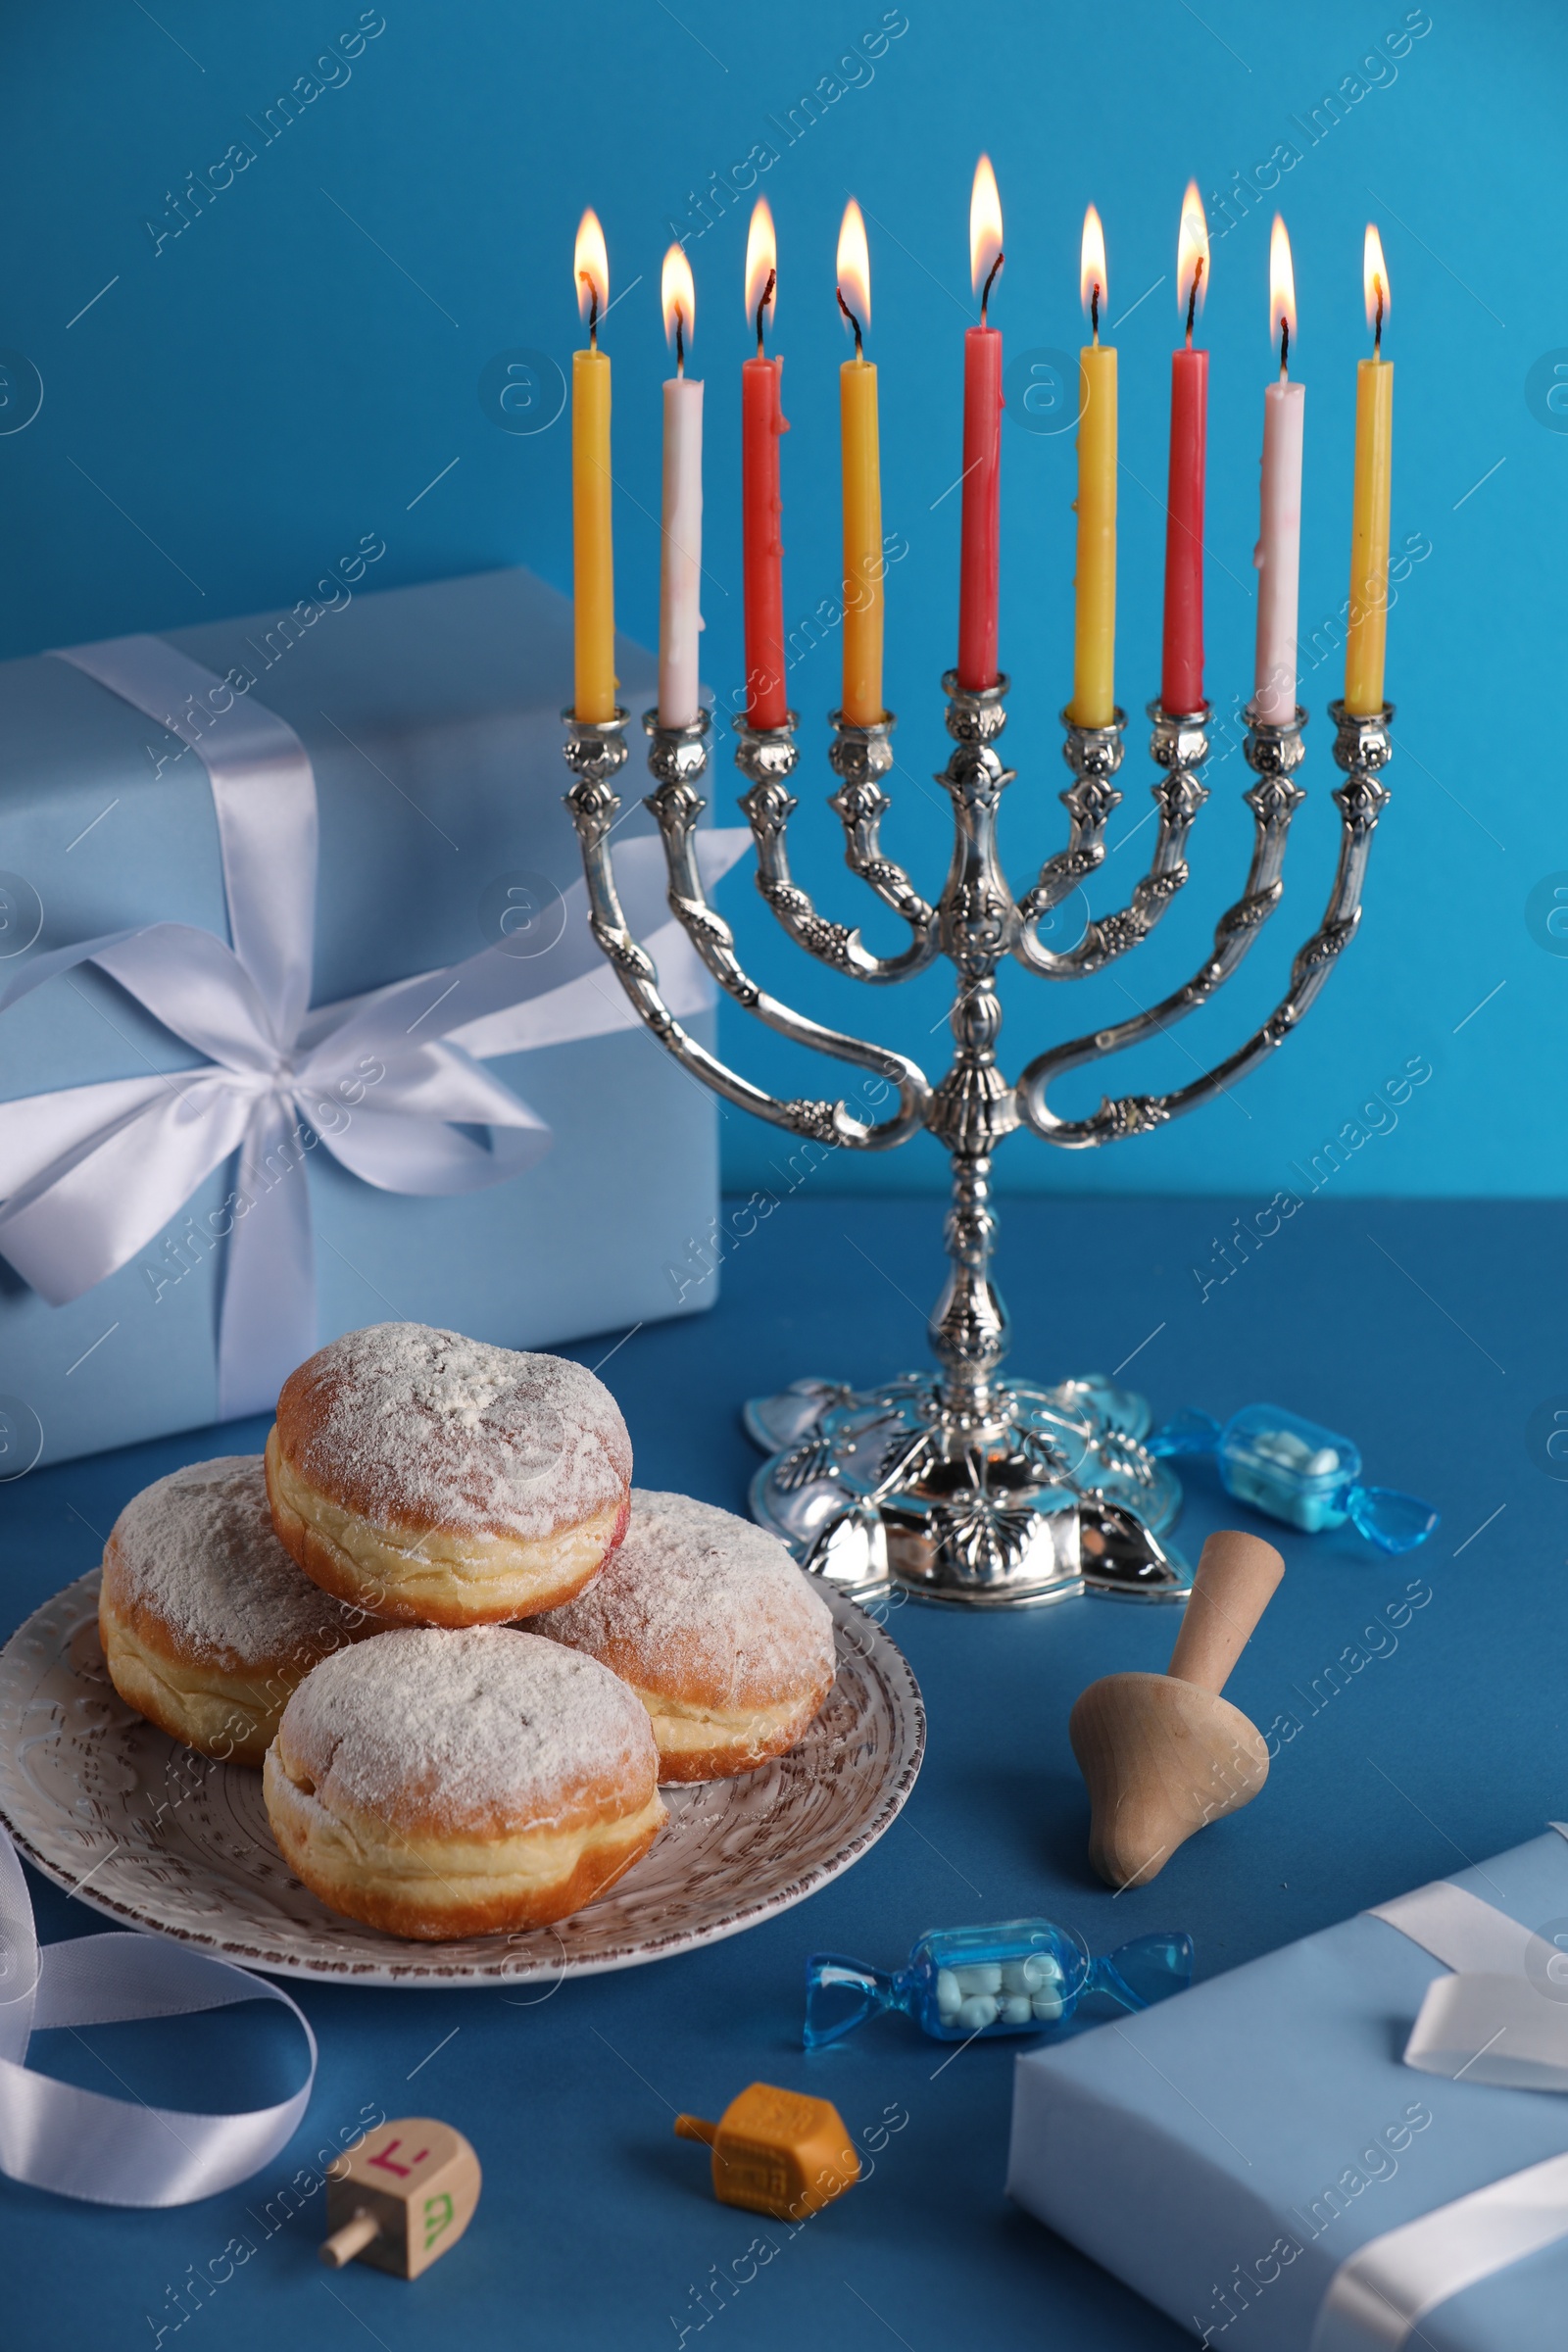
column 879, row 1490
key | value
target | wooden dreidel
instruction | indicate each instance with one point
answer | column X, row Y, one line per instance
column 776, row 2151
column 1163, row 1754
column 401, row 2197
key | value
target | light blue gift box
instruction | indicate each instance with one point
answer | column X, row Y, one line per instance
column 1225, row 2152
column 431, row 715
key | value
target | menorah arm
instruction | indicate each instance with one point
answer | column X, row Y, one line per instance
column 860, row 757
column 1361, row 748
column 595, row 753
column 1180, row 747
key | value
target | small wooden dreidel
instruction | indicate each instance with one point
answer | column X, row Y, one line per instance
column 776, row 2151
column 1163, row 1754
column 401, row 2197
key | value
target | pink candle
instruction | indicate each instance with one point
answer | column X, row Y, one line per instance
column 1181, row 674
column 762, row 543
column 1181, row 678
column 980, row 527
column 980, row 533
column 1279, row 545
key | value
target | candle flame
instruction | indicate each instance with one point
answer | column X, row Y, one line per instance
column 1191, row 251
column 1375, row 278
column 761, row 259
column 855, row 265
column 985, row 224
column 1281, row 284
column 591, row 267
column 1092, row 265
column 677, row 294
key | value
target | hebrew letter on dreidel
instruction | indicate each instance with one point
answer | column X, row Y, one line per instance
column 401, row 2197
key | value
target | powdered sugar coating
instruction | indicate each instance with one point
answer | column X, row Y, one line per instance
column 702, row 1606
column 479, row 1731
column 414, row 1426
column 197, row 1551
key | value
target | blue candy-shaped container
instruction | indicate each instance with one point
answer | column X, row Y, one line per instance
column 1021, row 1976
column 1299, row 1472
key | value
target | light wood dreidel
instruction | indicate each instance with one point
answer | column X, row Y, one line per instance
column 776, row 2151
column 1163, row 1754
column 401, row 2197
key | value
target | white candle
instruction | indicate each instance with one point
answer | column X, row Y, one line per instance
column 1278, row 554
column 680, row 617
column 1278, row 557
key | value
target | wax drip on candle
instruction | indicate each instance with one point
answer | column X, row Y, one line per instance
column 763, row 304
column 860, row 340
column 990, row 282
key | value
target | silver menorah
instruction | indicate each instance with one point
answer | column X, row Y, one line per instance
column 956, row 1485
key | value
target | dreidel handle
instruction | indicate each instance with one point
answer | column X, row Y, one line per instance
column 696, row 2126
column 1235, row 1582
column 352, row 2238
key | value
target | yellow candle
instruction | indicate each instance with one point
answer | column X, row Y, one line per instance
column 593, row 561
column 862, row 544
column 1369, row 539
column 1094, row 665
column 863, row 567
column 1369, row 523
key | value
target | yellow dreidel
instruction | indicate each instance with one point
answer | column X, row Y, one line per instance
column 776, row 2151
column 401, row 2197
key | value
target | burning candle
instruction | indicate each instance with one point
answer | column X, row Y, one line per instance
column 1370, row 526
column 593, row 563
column 1279, row 543
column 761, row 424
column 980, row 536
column 680, row 617
column 1181, row 679
column 862, row 486
column 1093, row 655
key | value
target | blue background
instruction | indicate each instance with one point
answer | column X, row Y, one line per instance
column 299, row 366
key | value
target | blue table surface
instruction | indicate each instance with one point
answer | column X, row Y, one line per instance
column 1428, row 1331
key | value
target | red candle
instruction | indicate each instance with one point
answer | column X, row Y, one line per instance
column 761, row 424
column 1180, row 683
column 982, row 447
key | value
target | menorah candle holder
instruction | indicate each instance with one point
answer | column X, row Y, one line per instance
column 954, row 1484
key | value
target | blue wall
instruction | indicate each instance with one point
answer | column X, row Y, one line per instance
column 304, row 362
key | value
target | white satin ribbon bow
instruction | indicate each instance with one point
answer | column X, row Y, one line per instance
column 386, row 1082
column 1487, row 2023
column 81, row 2144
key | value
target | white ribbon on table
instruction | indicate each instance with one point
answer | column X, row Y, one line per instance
column 1380, row 2295
column 81, row 2144
column 386, row 1082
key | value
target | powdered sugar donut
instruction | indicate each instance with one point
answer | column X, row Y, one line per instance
column 461, row 1784
column 207, row 1624
column 439, row 1481
column 715, row 1629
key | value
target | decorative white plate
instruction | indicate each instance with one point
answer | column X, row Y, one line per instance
column 118, row 1813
